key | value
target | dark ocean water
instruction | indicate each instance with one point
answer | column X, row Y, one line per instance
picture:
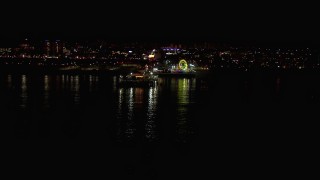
column 230, row 124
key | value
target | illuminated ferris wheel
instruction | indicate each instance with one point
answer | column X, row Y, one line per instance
column 183, row 65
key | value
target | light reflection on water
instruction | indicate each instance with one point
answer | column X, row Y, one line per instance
column 93, row 80
column 184, row 89
column 90, row 83
column 114, row 84
column 9, row 81
column 151, row 113
column 46, row 91
column 24, row 93
column 120, row 103
column 63, row 80
column 48, row 85
column 75, row 87
column 130, row 129
column 139, row 113
column 125, row 113
column 64, row 84
column 136, row 105
column 120, row 115
column 136, row 108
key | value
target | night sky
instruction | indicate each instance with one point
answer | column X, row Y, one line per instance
column 269, row 22
column 230, row 123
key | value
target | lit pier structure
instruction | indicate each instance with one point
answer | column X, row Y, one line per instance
column 145, row 78
column 175, row 68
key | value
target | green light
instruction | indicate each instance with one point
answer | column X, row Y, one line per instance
column 183, row 65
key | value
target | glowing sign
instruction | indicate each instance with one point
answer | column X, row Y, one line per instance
column 183, row 65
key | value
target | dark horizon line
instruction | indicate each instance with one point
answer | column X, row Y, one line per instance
column 164, row 39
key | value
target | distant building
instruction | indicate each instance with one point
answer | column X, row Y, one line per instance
column 66, row 51
column 53, row 48
column 25, row 47
column 154, row 55
column 47, row 48
column 5, row 50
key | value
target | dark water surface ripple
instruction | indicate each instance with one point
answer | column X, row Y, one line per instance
column 235, row 123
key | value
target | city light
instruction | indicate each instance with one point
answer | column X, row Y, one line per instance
column 66, row 55
column 183, row 65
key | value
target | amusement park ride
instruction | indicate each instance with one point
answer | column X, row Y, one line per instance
column 149, row 77
column 183, row 65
